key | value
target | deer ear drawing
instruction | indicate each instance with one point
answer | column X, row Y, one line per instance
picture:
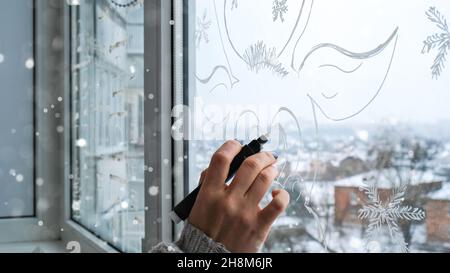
column 341, row 83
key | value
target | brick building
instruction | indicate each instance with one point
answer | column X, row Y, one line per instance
column 438, row 215
column 349, row 198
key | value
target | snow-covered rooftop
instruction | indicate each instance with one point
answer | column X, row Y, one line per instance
column 442, row 194
column 387, row 179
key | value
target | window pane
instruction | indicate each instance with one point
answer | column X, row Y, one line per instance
column 107, row 137
column 16, row 102
column 356, row 99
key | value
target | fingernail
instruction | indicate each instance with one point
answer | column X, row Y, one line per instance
column 240, row 141
column 275, row 155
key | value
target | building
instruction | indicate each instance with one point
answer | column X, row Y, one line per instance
column 349, row 198
column 351, row 165
column 438, row 215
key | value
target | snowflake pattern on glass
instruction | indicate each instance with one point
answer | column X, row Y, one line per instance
column 439, row 41
column 234, row 5
column 279, row 9
column 381, row 214
column 201, row 32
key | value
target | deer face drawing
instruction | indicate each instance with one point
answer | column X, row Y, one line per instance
column 271, row 40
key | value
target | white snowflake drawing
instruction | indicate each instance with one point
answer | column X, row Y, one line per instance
column 201, row 32
column 234, row 5
column 438, row 41
column 386, row 214
column 279, row 9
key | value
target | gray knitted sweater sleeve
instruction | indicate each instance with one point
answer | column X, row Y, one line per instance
column 192, row 240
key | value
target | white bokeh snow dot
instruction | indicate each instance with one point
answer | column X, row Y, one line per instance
column 132, row 69
column 73, row 2
column 76, row 205
column 124, row 204
column 2, row 58
column 29, row 63
column 19, row 178
column 42, row 204
column 153, row 190
column 40, row 223
column 60, row 129
column 39, row 181
column 81, row 142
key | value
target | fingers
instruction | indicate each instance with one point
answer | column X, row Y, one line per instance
column 279, row 203
column 249, row 170
column 202, row 177
column 220, row 164
column 261, row 184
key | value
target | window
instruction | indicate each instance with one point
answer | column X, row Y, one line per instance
column 107, row 121
column 354, row 199
column 349, row 100
column 16, row 101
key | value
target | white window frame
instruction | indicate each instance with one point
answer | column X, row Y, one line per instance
column 53, row 149
column 158, row 65
column 48, row 161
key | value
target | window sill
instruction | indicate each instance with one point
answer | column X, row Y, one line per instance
column 33, row 247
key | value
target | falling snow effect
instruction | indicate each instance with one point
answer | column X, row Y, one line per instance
column 29, row 64
column 153, row 190
column 73, row 2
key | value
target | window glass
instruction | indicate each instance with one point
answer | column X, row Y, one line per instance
column 107, row 116
column 355, row 95
column 16, row 104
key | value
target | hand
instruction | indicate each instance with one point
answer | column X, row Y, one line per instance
column 230, row 214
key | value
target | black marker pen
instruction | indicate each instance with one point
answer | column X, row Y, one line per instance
column 182, row 211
